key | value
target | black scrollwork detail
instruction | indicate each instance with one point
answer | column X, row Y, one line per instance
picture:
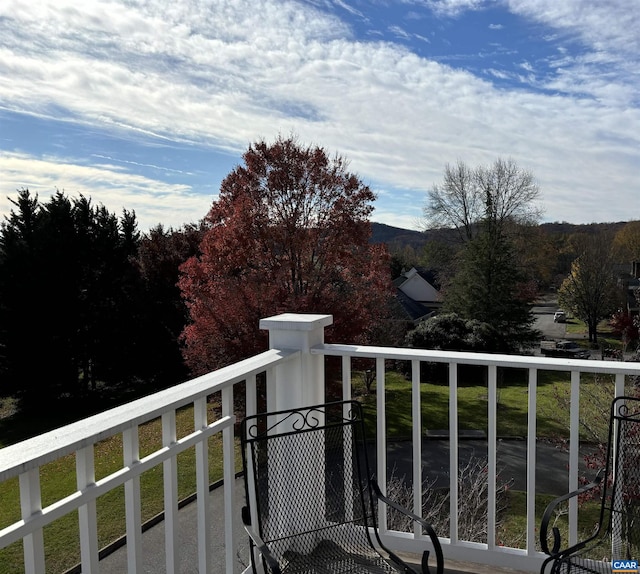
column 628, row 408
column 296, row 420
column 301, row 421
column 252, row 431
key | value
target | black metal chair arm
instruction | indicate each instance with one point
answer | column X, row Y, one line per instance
column 269, row 558
column 544, row 527
column 429, row 529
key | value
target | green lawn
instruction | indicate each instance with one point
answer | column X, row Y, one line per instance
column 606, row 338
column 552, row 414
column 62, row 548
column 512, row 530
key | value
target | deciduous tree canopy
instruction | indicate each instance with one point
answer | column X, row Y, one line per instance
column 627, row 242
column 502, row 191
column 590, row 289
column 288, row 233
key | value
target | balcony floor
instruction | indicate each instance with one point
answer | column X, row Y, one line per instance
column 153, row 544
column 468, row 568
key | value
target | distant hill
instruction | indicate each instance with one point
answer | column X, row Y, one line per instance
column 381, row 233
column 566, row 228
column 399, row 237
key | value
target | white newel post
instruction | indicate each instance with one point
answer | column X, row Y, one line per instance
column 299, row 382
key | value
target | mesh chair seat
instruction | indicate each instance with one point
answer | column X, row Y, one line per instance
column 578, row 564
column 328, row 557
column 310, row 494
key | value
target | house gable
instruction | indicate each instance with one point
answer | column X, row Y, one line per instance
column 417, row 287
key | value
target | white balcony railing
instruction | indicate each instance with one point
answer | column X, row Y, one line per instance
column 294, row 370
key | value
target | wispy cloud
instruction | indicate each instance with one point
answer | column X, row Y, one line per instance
column 153, row 200
column 498, row 74
column 526, row 66
column 452, row 8
column 349, row 8
column 135, row 163
column 607, row 33
column 422, row 38
column 399, row 32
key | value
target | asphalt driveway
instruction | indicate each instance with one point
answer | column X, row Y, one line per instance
column 552, row 475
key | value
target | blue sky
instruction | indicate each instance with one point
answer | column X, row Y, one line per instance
column 148, row 105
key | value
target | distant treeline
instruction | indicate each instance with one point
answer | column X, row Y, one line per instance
column 382, row 233
column 547, row 249
column 89, row 307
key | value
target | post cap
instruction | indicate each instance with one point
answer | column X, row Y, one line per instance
column 296, row 322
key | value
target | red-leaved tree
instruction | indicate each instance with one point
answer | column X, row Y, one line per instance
column 289, row 232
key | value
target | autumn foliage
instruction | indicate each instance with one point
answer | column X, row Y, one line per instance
column 625, row 326
column 289, row 232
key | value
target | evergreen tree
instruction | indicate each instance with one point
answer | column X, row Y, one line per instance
column 490, row 289
column 68, row 296
column 20, row 299
column 163, row 313
column 487, row 289
column 60, row 285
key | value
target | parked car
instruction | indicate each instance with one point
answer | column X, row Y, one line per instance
column 568, row 349
column 559, row 317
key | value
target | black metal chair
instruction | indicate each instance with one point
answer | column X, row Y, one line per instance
column 616, row 536
column 310, row 496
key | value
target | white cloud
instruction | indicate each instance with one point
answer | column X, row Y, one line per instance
column 153, row 201
column 498, row 74
column 399, row 32
column 348, row 8
column 526, row 66
column 452, row 8
column 610, row 26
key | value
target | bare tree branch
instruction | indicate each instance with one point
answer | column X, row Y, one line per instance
column 503, row 192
